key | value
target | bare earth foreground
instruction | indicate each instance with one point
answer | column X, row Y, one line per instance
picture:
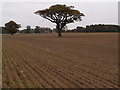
column 77, row 60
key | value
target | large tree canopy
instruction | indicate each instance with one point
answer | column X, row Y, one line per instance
column 12, row 27
column 61, row 15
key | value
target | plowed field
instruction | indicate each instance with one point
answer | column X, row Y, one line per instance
column 77, row 60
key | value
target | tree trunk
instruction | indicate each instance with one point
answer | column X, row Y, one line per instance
column 59, row 33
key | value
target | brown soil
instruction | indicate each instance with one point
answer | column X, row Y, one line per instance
column 77, row 60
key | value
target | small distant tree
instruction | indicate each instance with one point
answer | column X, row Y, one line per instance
column 37, row 29
column 12, row 27
column 61, row 15
column 65, row 28
column 28, row 29
column 79, row 29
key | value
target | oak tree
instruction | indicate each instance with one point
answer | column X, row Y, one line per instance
column 61, row 15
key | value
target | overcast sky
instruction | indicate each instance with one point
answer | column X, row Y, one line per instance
column 95, row 13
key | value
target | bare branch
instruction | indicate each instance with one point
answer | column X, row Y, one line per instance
column 50, row 19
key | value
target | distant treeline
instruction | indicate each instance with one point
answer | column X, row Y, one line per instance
column 87, row 29
column 37, row 29
column 28, row 29
column 97, row 28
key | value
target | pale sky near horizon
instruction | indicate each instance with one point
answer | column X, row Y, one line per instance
column 95, row 13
